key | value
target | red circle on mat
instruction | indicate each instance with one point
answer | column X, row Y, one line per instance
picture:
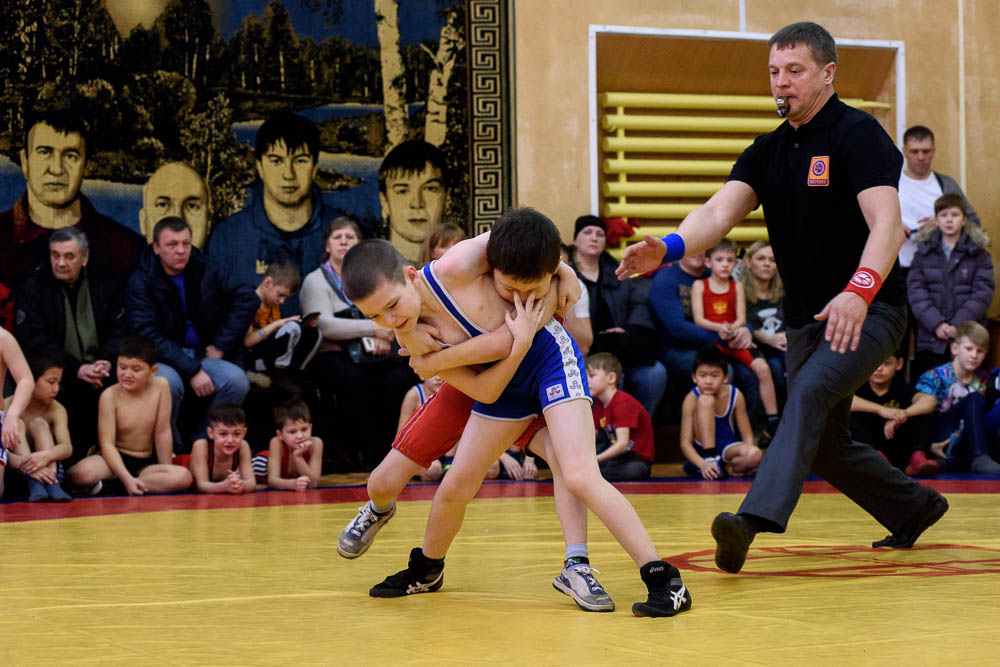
column 853, row 561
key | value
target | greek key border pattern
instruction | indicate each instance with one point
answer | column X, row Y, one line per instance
column 490, row 144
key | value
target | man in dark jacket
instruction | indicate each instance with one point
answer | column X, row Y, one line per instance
column 196, row 313
column 70, row 312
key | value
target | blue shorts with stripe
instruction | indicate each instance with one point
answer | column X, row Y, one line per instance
column 552, row 372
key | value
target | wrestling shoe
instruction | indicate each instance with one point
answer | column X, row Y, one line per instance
column 732, row 541
column 422, row 575
column 578, row 582
column 928, row 515
column 359, row 534
column 667, row 594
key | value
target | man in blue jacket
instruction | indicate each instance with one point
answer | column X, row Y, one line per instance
column 197, row 314
column 286, row 217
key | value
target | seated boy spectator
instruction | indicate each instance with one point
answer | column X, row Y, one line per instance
column 294, row 456
column 133, row 425
column 46, row 431
column 275, row 341
column 953, row 394
column 711, row 416
column 625, row 448
column 12, row 432
column 879, row 419
column 950, row 281
column 718, row 303
column 221, row 463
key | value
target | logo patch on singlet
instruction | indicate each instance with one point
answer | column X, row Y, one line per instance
column 819, row 171
column 554, row 392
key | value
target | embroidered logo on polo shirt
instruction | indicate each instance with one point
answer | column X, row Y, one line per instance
column 260, row 267
column 554, row 392
column 819, row 171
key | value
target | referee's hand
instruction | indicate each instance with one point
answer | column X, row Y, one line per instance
column 844, row 315
column 641, row 257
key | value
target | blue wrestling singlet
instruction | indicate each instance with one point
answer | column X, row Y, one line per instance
column 553, row 370
column 725, row 429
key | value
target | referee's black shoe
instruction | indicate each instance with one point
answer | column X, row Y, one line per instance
column 732, row 541
column 926, row 517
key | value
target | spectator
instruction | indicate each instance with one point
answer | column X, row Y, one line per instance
column 357, row 362
column 619, row 313
column 134, row 425
column 680, row 338
column 6, row 308
column 719, row 305
column 53, row 161
column 716, row 438
column 70, row 311
column 277, row 342
column 950, row 281
column 286, row 215
column 196, row 314
column 442, row 237
column 625, row 447
column 413, row 192
column 879, row 418
column 46, row 436
column 175, row 190
column 918, row 190
column 953, row 394
column 765, row 315
column 221, row 463
column 577, row 318
column 294, row 456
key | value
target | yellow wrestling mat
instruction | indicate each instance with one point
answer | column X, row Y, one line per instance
column 265, row 586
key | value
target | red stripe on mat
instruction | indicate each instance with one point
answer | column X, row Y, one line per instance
column 24, row 511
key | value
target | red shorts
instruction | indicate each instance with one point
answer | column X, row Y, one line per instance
column 438, row 424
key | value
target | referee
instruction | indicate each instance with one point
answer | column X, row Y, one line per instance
column 827, row 180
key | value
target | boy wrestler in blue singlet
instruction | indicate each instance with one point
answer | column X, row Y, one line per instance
column 716, row 437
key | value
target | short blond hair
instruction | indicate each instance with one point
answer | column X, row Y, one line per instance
column 974, row 332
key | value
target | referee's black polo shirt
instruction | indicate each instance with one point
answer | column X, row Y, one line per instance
column 808, row 181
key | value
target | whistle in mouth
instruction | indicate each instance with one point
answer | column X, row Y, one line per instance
column 783, row 107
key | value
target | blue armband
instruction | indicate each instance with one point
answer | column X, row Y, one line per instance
column 675, row 248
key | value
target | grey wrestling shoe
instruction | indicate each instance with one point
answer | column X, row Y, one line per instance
column 359, row 534
column 578, row 582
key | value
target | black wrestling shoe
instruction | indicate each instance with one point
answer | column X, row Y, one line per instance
column 422, row 575
column 925, row 518
column 732, row 541
column 667, row 594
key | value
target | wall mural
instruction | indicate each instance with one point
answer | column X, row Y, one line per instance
column 162, row 82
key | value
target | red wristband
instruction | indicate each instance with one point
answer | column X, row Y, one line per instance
column 865, row 283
